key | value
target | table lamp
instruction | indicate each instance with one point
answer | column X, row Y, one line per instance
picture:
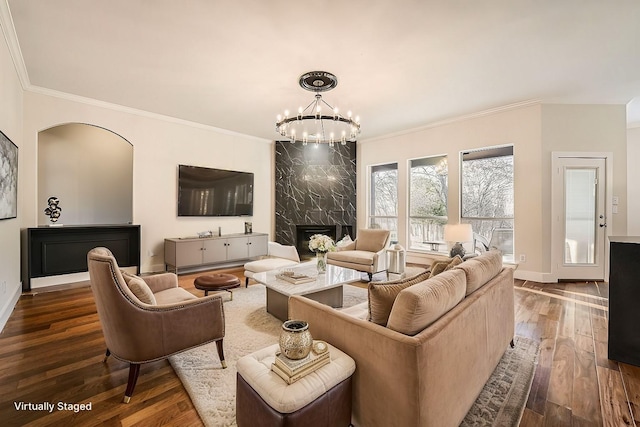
column 458, row 233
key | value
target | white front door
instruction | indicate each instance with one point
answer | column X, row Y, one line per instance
column 579, row 229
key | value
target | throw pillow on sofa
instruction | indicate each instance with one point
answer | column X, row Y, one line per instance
column 383, row 294
column 440, row 266
column 481, row 269
column 419, row 306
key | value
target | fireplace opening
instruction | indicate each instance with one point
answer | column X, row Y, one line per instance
column 304, row 233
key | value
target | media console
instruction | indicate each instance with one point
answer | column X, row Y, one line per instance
column 50, row 251
column 194, row 252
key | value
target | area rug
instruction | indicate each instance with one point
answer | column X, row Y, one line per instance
column 249, row 328
column 503, row 398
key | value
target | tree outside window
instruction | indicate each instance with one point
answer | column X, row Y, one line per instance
column 383, row 200
column 487, row 195
column 428, row 190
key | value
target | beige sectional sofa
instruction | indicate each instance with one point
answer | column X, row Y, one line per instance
column 443, row 338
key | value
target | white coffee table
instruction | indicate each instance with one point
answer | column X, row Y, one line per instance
column 326, row 288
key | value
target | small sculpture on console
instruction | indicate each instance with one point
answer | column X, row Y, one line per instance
column 54, row 209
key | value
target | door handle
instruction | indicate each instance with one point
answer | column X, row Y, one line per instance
column 602, row 225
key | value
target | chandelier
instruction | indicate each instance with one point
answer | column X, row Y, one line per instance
column 312, row 124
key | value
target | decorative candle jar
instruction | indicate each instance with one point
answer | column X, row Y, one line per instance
column 295, row 339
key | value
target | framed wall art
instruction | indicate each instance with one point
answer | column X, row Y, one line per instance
column 8, row 178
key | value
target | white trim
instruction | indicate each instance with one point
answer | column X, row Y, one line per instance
column 534, row 276
column 10, row 36
column 369, row 187
column 135, row 111
column 608, row 159
column 461, row 118
column 407, row 225
column 59, row 279
column 9, row 306
column 9, row 31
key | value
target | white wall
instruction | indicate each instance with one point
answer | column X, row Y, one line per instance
column 535, row 131
column 518, row 126
column 89, row 170
column 586, row 128
column 589, row 128
column 633, row 181
column 159, row 145
column 11, row 124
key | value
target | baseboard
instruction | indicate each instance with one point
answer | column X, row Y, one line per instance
column 60, row 279
column 9, row 306
column 519, row 273
column 50, row 282
column 534, row 276
column 153, row 268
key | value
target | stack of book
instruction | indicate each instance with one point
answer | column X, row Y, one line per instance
column 292, row 370
column 296, row 279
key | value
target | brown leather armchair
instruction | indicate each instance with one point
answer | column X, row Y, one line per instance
column 366, row 253
column 151, row 319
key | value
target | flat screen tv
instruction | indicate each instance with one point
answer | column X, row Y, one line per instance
column 214, row 192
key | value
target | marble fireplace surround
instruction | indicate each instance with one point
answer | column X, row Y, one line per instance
column 315, row 192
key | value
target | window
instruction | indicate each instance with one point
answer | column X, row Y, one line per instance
column 428, row 184
column 383, row 201
column 487, row 195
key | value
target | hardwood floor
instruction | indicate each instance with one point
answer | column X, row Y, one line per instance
column 52, row 350
column 574, row 383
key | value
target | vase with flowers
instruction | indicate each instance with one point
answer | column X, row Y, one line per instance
column 321, row 244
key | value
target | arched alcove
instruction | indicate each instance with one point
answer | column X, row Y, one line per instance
column 90, row 170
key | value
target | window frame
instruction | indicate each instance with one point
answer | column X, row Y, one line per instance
column 371, row 217
column 436, row 245
column 486, row 153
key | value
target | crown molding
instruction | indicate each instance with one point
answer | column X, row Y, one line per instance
column 461, row 118
column 135, row 111
column 11, row 38
column 9, row 31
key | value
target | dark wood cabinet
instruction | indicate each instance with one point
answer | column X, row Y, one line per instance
column 624, row 300
column 49, row 251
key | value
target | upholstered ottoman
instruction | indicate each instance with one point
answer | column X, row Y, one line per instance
column 217, row 282
column 280, row 256
column 321, row 398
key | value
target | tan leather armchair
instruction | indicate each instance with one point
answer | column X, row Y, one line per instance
column 151, row 319
column 366, row 253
